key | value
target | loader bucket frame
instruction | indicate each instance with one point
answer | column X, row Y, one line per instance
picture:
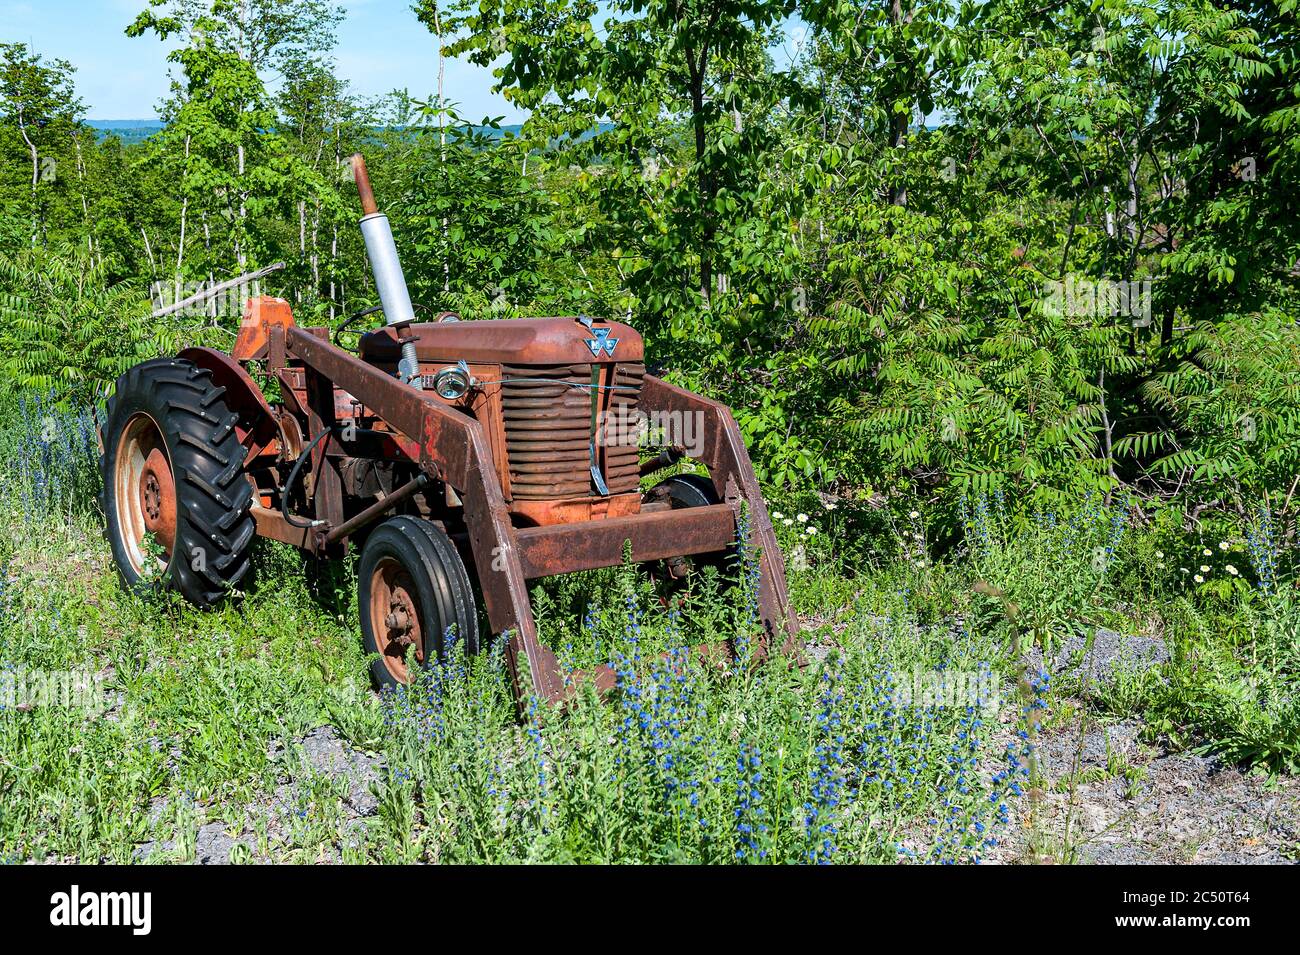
column 454, row 448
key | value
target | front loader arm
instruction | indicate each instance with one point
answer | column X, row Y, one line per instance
column 453, row 448
column 733, row 477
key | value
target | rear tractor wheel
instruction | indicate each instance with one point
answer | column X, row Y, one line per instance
column 175, row 498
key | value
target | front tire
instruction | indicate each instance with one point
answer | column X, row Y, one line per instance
column 677, row 574
column 412, row 586
column 175, row 498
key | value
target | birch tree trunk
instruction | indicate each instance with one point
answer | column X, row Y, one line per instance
column 185, row 208
column 85, row 206
column 36, row 172
column 442, row 145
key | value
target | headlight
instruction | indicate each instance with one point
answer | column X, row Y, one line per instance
column 452, row 383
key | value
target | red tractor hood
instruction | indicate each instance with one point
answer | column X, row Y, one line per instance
column 515, row 341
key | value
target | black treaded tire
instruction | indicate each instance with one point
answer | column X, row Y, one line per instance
column 416, row 560
column 213, row 527
column 688, row 490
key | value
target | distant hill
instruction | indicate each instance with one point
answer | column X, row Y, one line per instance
column 124, row 123
column 133, row 131
column 130, row 131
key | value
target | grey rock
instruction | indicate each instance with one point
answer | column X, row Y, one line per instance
column 157, row 809
column 325, row 752
column 1111, row 655
column 817, row 652
column 212, row 845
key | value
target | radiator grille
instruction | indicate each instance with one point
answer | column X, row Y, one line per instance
column 547, row 411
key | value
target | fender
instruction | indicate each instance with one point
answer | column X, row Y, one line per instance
column 256, row 428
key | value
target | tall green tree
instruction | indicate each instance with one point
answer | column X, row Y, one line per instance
column 38, row 102
column 667, row 105
column 323, row 123
column 221, row 140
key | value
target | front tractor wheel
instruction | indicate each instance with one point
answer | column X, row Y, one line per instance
column 412, row 587
column 175, row 498
column 678, row 573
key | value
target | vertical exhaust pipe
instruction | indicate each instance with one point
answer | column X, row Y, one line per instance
column 389, row 278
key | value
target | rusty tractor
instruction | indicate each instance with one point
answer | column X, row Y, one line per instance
column 449, row 452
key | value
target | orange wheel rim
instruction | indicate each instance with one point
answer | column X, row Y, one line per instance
column 144, row 493
column 395, row 618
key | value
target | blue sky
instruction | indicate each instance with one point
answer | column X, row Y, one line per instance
column 381, row 47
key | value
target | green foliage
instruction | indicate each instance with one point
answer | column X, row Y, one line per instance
column 220, row 139
column 1231, row 400
column 978, row 381
column 1037, row 570
column 49, row 460
column 868, row 245
column 475, row 219
column 65, row 331
column 674, row 176
column 880, row 245
column 194, row 717
column 1235, row 703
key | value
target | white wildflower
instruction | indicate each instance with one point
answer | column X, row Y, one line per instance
column 799, row 559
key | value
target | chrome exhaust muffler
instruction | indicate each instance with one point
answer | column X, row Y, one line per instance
column 389, row 278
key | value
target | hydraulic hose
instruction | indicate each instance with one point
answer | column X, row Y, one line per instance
column 293, row 476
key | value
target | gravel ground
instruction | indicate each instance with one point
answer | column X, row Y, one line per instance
column 1133, row 803
column 1110, row 798
column 318, row 767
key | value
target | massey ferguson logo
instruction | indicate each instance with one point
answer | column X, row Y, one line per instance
column 602, row 342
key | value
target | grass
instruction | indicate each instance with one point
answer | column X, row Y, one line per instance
column 858, row 757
